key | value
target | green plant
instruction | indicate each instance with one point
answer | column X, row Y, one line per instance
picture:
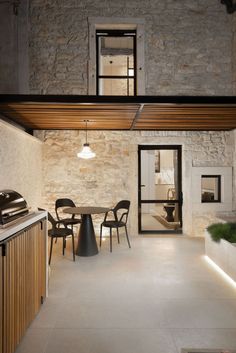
column 225, row 231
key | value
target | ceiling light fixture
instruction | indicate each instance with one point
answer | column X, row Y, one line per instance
column 86, row 152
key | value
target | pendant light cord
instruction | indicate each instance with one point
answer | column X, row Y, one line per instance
column 86, row 132
column 86, row 152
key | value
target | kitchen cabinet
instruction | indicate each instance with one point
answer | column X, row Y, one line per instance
column 22, row 282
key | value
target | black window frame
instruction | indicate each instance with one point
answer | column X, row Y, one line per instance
column 116, row 33
column 218, row 177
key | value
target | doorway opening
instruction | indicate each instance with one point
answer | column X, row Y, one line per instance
column 160, row 189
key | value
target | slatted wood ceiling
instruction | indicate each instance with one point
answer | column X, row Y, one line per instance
column 116, row 113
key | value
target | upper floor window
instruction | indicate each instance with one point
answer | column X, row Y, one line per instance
column 116, row 62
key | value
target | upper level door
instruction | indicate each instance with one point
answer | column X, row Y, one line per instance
column 160, row 189
column 116, row 62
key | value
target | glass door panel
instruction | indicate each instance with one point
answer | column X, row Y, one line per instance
column 160, row 217
column 116, row 87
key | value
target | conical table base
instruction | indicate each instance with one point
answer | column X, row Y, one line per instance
column 87, row 245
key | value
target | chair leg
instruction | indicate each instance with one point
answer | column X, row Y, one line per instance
column 110, row 239
column 63, row 246
column 100, row 243
column 127, row 236
column 118, row 237
column 73, row 246
column 50, row 254
column 58, row 227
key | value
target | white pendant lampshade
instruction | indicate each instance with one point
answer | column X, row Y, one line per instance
column 86, row 152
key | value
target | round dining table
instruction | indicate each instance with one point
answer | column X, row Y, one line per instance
column 87, row 245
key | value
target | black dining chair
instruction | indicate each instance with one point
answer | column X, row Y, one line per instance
column 59, row 232
column 67, row 221
column 120, row 217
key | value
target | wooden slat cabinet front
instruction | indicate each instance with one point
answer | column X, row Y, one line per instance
column 23, row 283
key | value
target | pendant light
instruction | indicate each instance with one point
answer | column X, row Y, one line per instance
column 86, row 152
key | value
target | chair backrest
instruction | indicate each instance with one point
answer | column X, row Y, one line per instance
column 50, row 218
column 122, row 205
column 63, row 203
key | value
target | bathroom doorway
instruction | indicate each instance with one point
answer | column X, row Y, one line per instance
column 160, row 188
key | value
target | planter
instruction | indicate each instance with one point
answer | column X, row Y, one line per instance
column 222, row 253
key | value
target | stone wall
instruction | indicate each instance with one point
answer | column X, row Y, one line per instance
column 113, row 174
column 21, row 163
column 188, row 45
column 234, row 169
column 8, row 50
column 14, row 63
column 234, row 52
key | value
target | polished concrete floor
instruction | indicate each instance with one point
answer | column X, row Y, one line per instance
column 158, row 297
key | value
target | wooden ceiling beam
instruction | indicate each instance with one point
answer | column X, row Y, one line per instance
column 121, row 113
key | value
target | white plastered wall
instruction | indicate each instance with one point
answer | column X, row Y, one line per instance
column 21, row 163
column 226, row 190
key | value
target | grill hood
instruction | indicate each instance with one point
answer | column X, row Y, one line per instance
column 12, row 207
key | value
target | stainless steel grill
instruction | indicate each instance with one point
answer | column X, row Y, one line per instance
column 12, row 207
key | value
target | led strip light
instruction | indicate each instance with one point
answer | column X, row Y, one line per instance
column 216, row 267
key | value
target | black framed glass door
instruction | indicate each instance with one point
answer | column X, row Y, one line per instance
column 160, row 188
column 116, row 62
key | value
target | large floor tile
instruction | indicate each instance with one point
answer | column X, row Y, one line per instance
column 205, row 338
column 200, row 313
column 217, row 314
column 35, row 341
column 111, row 340
column 117, row 314
column 48, row 314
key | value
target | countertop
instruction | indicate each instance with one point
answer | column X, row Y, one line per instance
column 22, row 223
